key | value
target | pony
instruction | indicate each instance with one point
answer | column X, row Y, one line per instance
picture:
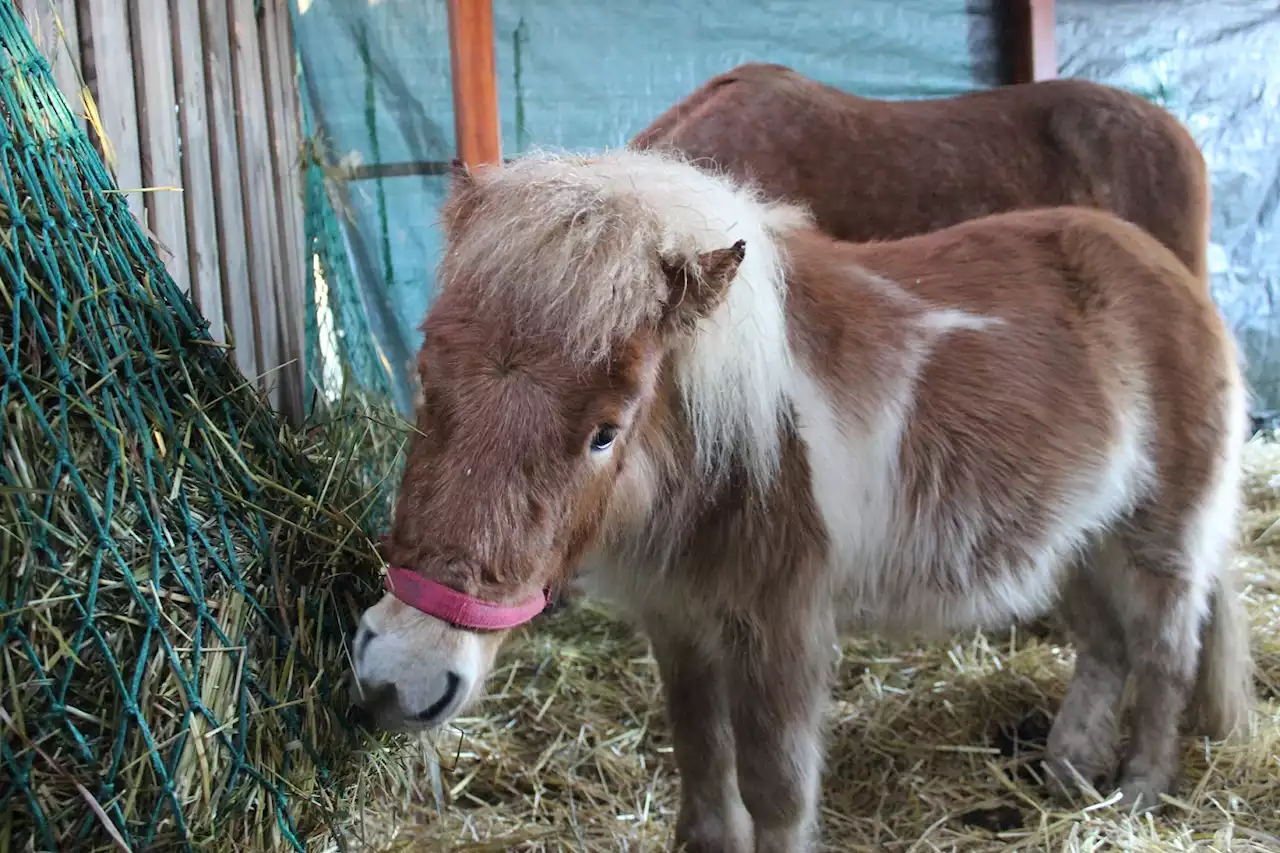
column 759, row 439
column 880, row 170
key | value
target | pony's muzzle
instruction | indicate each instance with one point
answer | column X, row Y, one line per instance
column 397, row 687
column 380, row 705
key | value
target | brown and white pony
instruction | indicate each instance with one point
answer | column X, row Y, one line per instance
column 762, row 439
column 881, row 170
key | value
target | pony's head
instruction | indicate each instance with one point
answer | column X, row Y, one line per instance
column 584, row 304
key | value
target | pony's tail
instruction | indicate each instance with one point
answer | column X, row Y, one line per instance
column 1223, row 697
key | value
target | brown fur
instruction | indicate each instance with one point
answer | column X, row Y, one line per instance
column 1027, row 409
column 879, row 170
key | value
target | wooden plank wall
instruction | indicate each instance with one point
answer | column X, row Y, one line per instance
column 199, row 103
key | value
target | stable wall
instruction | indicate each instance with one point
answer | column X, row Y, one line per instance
column 194, row 106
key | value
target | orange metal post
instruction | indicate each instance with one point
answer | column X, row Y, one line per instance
column 475, row 82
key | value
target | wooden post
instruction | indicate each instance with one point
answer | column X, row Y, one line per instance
column 199, row 190
column 278, row 68
column 1033, row 46
column 475, row 82
column 233, row 246
column 158, row 136
column 107, row 57
column 257, row 190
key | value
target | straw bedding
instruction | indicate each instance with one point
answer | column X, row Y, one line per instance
column 930, row 748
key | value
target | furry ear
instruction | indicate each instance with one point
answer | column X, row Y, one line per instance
column 460, row 175
column 462, row 200
column 697, row 287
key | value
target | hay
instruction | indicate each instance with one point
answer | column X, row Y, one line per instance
column 179, row 571
column 176, row 685
column 178, row 679
column 930, row 748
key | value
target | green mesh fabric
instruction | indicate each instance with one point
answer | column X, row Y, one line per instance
column 176, row 568
column 342, row 349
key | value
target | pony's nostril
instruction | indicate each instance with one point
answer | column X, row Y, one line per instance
column 363, row 637
column 442, row 704
column 369, row 704
column 361, row 716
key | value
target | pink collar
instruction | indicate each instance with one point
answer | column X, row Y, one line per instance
column 459, row 610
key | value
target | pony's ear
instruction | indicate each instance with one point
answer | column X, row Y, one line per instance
column 698, row 286
column 462, row 199
column 460, row 175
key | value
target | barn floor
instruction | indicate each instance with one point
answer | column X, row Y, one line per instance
column 925, row 749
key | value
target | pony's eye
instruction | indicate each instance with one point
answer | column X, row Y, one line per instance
column 603, row 438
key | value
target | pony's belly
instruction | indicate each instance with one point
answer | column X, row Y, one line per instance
column 901, row 598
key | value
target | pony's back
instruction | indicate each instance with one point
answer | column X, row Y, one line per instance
column 873, row 169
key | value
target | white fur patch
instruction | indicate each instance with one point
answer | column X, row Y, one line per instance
column 951, row 319
column 414, row 652
column 1213, row 531
column 1092, row 503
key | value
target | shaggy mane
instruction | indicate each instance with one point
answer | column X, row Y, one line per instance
column 574, row 244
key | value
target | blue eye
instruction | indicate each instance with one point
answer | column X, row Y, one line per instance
column 603, row 438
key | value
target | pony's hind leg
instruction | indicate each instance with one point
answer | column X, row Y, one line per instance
column 1083, row 739
column 1162, row 601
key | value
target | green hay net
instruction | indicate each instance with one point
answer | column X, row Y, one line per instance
column 177, row 569
column 342, row 351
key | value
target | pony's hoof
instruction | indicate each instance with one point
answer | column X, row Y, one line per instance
column 1140, row 796
column 707, row 833
column 1063, row 785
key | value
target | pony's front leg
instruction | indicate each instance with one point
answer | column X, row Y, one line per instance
column 780, row 671
column 712, row 816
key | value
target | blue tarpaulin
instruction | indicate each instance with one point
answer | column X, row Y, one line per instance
column 1216, row 66
column 582, row 76
column 590, row 75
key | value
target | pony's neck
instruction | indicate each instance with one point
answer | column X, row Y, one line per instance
column 733, row 373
